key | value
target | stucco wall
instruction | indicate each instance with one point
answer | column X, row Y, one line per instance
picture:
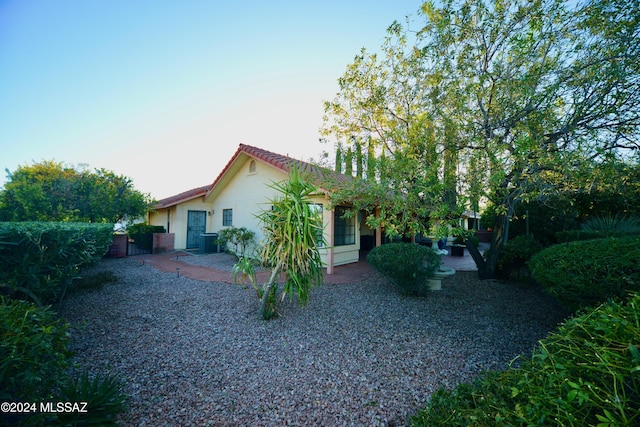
column 178, row 219
column 159, row 217
column 247, row 193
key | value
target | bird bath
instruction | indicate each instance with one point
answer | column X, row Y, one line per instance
column 435, row 282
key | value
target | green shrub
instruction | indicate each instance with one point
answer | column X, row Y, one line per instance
column 143, row 228
column 142, row 234
column 35, row 365
column 576, row 235
column 241, row 238
column 585, row 373
column 40, row 259
column 602, row 227
column 406, row 264
column 588, row 272
column 103, row 395
column 33, row 351
column 515, row 255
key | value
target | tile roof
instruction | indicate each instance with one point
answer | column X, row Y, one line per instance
column 182, row 197
column 317, row 174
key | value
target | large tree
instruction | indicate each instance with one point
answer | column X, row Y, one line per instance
column 51, row 191
column 383, row 105
column 514, row 97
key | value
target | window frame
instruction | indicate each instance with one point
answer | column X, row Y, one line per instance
column 344, row 229
column 319, row 207
column 227, row 217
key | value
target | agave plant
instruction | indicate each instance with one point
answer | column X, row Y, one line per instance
column 291, row 230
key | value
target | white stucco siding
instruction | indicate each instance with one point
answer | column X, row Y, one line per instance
column 178, row 218
column 341, row 254
column 246, row 193
column 159, row 217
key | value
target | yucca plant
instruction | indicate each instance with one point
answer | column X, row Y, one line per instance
column 620, row 223
column 292, row 229
column 244, row 271
column 103, row 397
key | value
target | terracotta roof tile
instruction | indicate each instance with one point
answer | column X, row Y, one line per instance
column 182, row 197
column 316, row 173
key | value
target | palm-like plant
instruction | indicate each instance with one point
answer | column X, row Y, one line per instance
column 292, row 229
column 615, row 222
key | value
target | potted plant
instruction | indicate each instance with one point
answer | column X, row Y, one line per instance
column 457, row 248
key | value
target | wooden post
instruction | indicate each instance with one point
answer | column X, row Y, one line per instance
column 330, row 242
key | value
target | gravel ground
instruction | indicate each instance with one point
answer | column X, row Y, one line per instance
column 196, row 353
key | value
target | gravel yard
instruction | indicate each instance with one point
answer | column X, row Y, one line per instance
column 360, row 354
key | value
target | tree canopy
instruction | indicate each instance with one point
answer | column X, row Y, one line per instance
column 51, row 191
column 497, row 100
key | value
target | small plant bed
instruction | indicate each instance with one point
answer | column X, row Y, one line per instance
column 220, row 261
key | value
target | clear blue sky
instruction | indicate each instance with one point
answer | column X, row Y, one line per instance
column 164, row 91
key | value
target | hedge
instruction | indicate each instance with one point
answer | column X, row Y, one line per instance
column 41, row 258
column 588, row 272
column 142, row 234
column 33, row 345
column 576, row 235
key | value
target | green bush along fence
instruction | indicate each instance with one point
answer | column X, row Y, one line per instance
column 575, row 235
column 39, row 259
column 142, row 235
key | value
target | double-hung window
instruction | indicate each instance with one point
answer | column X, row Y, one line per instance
column 227, row 217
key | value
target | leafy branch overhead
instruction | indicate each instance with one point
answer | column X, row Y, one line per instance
column 490, row 101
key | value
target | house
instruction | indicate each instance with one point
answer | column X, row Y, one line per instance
column 184, row 215
column 241, row 191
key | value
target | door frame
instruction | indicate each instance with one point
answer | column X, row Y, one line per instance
column 191, row 228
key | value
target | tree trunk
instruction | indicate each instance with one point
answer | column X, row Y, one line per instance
column 487, row 268
column 268, row 302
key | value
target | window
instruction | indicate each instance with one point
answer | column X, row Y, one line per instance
column 227, row 217
column 316, row 209
column 344, row 228
column 252, row 166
